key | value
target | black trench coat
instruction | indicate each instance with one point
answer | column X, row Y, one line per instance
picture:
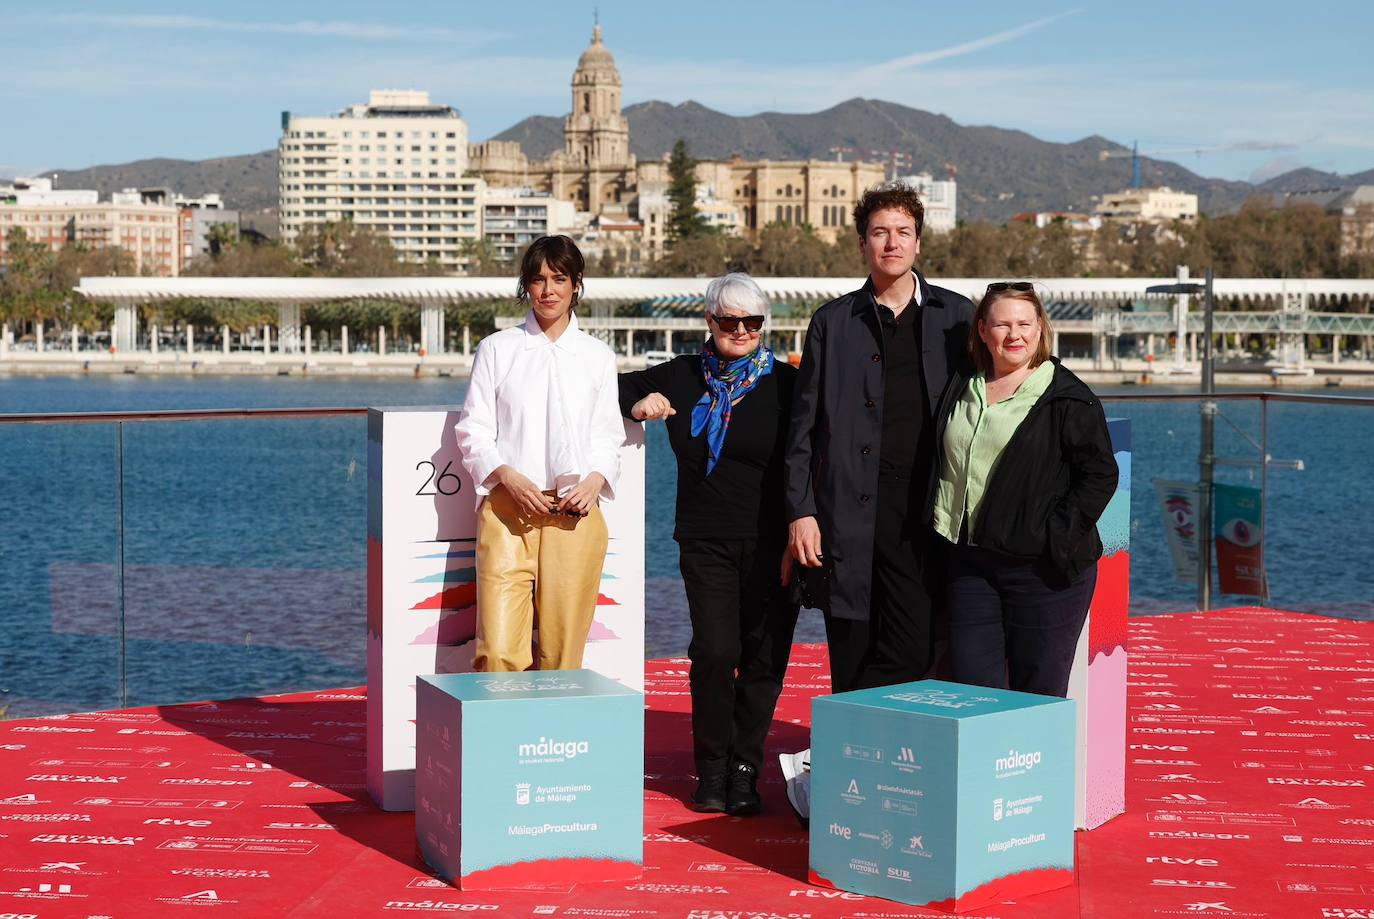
column 833, row 440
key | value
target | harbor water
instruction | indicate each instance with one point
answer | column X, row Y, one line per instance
column 244, row 541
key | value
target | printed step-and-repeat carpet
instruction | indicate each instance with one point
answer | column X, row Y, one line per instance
column 1250, row 794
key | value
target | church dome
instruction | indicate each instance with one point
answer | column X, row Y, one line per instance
column 597, row 56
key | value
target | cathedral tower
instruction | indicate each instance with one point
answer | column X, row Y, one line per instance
column 596, row 134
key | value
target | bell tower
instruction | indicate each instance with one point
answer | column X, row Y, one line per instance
column 595, row 134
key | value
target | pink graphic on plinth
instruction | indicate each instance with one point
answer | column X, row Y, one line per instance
column 455, row 627
column 551, row 871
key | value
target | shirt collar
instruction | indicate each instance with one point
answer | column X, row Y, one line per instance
column 535, row 337
column 918, row 296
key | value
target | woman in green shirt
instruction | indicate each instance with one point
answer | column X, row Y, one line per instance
column 1026, row 470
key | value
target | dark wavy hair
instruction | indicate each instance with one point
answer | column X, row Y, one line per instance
column 558, row 252
column 897, row 196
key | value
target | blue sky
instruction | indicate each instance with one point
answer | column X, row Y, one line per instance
column 1259, row 87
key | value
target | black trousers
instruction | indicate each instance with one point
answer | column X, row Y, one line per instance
column 895, row 644
column 742, row 626
column 1012, row 624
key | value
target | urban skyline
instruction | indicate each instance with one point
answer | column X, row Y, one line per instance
column 1259, row 93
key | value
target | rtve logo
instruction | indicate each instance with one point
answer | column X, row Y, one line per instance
column 1171, row 860
column 844, row 832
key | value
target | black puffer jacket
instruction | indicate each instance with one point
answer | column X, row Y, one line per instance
column 1052, row 481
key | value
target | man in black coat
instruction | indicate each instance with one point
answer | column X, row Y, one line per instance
column 860, row 449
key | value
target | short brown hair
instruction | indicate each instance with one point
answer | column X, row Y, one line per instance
column 561, row 254
column 897, row 196
column 978, row 351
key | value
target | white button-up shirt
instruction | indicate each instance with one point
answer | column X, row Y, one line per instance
column 550, row 409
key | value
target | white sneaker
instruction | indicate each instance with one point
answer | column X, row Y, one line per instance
column 796, row 773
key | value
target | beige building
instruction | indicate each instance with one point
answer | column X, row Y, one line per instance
column 1148, row 205
column 512, row 218
column 395, row 165
column 131, row 221
column 596, row 171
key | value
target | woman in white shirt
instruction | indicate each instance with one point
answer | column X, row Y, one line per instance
column 541, row 433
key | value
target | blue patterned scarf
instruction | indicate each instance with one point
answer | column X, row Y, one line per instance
column 726, row 384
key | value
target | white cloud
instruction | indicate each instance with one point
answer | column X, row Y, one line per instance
column 360, row 31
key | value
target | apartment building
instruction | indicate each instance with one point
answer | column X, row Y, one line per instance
column 394, row 165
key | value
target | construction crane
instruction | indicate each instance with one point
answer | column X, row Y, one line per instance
column 894, row 158
column 1134, row 154
column 841, row 151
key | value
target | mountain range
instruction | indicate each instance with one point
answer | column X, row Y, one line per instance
column 1000, row 171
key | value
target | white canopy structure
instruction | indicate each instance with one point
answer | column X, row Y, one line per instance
column 1289, row 302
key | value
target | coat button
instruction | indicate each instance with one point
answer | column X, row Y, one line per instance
column 869, row 404
column 866, row 450
column 877, row 357
column 863, row 499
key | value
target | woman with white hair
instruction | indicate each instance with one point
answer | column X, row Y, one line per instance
column 726, row 412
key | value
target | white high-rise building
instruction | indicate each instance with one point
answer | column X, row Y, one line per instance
column 395, row 165
column 940, row 197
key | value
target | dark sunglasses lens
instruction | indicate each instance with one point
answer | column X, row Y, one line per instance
column 730, row 324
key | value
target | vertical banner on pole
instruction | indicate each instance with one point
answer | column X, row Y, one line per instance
column 1098, row 680
column 1178, row 502
column 1239, row 540
column 422, row 580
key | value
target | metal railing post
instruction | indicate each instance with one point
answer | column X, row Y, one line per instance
column 119, row 564
column 1206, row 457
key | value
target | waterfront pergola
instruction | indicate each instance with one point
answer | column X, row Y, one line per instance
column 1290, row 310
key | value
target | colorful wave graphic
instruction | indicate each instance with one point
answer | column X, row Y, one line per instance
column 450, row 598
column 455, row 627
column 1107, row 615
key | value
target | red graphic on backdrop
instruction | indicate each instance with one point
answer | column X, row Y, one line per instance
column 450, row 598
column 1107, row 619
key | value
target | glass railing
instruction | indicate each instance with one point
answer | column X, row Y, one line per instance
column 161, row 557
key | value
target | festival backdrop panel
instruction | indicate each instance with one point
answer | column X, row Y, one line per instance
column 942, row 795
column 1239, row 540
column 529, row 777
column 1098, row 679
column 422, row 580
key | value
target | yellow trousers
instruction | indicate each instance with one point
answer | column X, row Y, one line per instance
column 540, row 571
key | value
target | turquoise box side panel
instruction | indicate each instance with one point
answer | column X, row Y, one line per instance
column 1016, row 794
column 551, row 771
column 924, row 792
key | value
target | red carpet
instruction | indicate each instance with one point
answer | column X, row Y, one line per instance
column 1250, row 775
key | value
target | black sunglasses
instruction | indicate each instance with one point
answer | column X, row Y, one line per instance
column 731, row 324
column 998, row 286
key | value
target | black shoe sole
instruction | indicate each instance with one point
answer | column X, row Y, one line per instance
column 744, row 810
column 707, row 807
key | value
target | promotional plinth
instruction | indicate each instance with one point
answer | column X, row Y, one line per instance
column 942, row 795
column 422, row 580
column 529, row 777
column 1098, row 679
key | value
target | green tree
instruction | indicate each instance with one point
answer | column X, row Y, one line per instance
column 344, row 249
column 685, row 221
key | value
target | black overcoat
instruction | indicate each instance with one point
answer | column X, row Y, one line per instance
column 835, row 433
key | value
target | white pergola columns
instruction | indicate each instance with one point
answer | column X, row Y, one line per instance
column 1293, row 305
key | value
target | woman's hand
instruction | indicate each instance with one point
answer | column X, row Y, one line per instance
column 582, row 498
column 804, row 541
column 527, row 496
column 653, row 407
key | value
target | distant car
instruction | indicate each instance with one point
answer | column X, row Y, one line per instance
column 653, row 358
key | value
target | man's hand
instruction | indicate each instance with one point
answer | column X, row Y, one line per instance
column 582, row 498
column 804, row 541
column 653, row 407
column 528, row 497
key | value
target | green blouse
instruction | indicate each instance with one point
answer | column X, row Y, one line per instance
column 975, row 437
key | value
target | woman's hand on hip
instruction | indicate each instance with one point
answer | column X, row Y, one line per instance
column 653, row 407
column 525, row 493
column 582, row 498
column 804, row 541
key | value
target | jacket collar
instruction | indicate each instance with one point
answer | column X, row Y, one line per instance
column 1067, row 385
column 867, row 301
column 535, row 337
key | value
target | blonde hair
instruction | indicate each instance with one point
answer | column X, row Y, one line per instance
column 978, row 350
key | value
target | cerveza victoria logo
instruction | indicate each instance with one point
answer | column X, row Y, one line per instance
column 1016, row 763
column 550, row 751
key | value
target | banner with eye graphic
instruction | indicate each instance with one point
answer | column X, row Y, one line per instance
column 1239, row 540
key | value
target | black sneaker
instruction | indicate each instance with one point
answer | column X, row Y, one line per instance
column 742, row 797
column 710, row 796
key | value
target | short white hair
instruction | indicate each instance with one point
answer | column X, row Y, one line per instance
column 739, row 291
